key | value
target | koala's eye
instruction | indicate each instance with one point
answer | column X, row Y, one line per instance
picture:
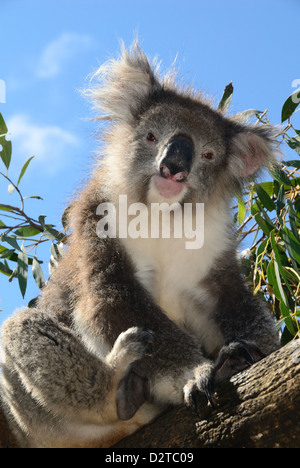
column 208, row 155
column 151, row 137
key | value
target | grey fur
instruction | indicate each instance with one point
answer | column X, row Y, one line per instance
column 125, row 327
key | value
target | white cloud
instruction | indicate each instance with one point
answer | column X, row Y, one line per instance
column 49, row 143
column 60, row 51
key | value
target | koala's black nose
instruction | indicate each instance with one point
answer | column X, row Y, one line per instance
column 177, row 159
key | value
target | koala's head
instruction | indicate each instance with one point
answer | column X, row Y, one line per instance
column 167, row 144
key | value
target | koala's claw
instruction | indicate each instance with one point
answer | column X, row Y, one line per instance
column 198, row 392
column 235, row 357
column 231, row 359
column 246, row 354
column 209, row 395
column 198, row 399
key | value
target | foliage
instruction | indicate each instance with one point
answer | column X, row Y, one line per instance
column 267, row 216
column 272, row 209
column 20, row 234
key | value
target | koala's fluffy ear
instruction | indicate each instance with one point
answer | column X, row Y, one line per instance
column 124, row 85
column 252, row 148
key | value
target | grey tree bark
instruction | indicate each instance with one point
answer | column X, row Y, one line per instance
column 257, row 408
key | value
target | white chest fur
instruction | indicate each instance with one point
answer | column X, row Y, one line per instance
column 172, row 274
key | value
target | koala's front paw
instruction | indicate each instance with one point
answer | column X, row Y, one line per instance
column 199, row 390
column 133, row 389
column 235, row 357
column 131, row 345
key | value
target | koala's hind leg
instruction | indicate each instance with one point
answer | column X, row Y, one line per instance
column 51, row 383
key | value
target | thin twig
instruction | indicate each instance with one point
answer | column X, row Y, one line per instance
column 16, row 188
column 33, row 223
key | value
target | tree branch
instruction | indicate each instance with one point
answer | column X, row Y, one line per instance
column 257, row 408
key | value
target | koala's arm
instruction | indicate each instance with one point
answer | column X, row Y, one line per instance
column 245, row 322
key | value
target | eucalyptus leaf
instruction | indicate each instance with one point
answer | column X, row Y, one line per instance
column 247, row 114
column 241, row 209
column 265, row 227
column 27, row 231
column 6, row 208
column 6, row 253
column 38, row 273
column 23, row 170
column 22, row 270
column 293, row 163
column 293, row 247
column 290, row 106
column 265, row 198
column 12, row 241
column 4, row 268
column 3, row 127
column 6, row 151
column 226, row 98
column 280, row 176
column 278, row 261
column 53, row 234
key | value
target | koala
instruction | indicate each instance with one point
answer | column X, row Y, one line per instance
column 130, row 324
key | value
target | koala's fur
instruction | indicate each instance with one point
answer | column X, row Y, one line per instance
column 127, row 326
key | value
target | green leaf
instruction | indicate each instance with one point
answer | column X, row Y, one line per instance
column 272, row 280
column 265, row 215
column 265, row 198
column 49, row 232
column 6, row 253
column 290, row 106
column 37, row 197
column 247, row 114
column 23, row 170
column 278, row 261
column 22, row 270
column 293, row 218
column 3, row 127
column 241, row 209
column 265, row 227
column 226, row 98
column 293, row 247
column 275, row 280
column 280, row 204
column 294, row 143
column 268, row 187
column 53, row 234
column 11, row 240
column 4, row 268
column 32, row 304
column 6, row 151
column 42, row 220
column 56, row 251
column 27, row 231
column 261, row 249
column 6, row 208
column 37, row 273
column 280, row 176
column 293, row 163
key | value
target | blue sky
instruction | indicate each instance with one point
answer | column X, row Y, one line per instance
column 48, row 48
